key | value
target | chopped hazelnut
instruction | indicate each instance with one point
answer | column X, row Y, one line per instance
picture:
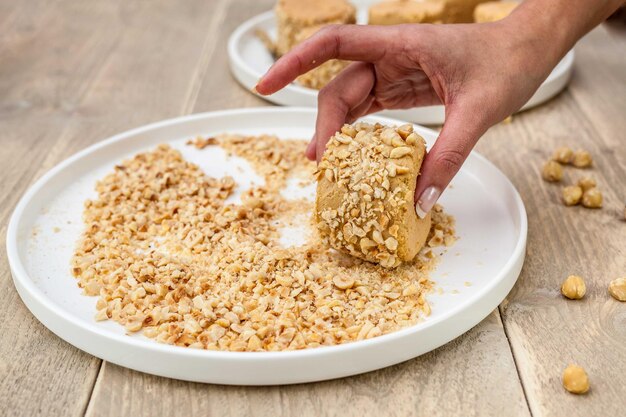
column 575, row 379
column 192, row 269
column 563, row 155
column 586, row 183
column 552, row 171
column 617, row 289
column 592, row 198
column 573, row 287
column 572, row 195
column 581, row 159
column 343, row 282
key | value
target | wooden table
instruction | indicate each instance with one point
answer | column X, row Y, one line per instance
column 75, row 72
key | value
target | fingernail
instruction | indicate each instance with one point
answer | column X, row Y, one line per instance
column 426, row 201
column 255, row 89
column 311, row 145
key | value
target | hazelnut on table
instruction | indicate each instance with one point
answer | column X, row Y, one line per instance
column 573, row 287
column 582, row 159
column 617, row 289
column 592, row 198
column 572, row 195
column 552, row 171
column 586, row 183
column 575, row 379
column 563, row 155
column 293, row 16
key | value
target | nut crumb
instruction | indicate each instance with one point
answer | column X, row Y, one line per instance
column 201, row 143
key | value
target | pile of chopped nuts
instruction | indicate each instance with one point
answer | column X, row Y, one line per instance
column 585, row 192
column 168, row 256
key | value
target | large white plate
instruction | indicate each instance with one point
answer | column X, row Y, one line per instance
column 491, row 223
column 250, row 59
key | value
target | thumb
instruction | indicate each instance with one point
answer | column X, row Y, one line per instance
column 461, row 130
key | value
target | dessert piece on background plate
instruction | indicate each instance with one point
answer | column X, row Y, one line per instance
column 366, row 184
column 458, row 11
column 318, row 77
column 395, row 12
column 294, row 16
column 493, row 11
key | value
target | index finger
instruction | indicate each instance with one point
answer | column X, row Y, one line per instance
column 348, row 42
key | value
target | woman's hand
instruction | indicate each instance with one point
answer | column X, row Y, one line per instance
column 482, row 73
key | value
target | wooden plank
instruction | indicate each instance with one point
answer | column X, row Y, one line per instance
column 599, row 83
column 546, row 331
column 40, row 374
column 219, row 90
column 471, row 376
column 73, row 73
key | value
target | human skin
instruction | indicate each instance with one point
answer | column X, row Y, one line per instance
column 482, row 73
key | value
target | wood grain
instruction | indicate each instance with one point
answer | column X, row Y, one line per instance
column 546, row 331
column 73, row 73
column 460, row 377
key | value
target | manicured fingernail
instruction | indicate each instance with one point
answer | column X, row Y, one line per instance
column 311, row 146
column 255, row 89
column 426, row 201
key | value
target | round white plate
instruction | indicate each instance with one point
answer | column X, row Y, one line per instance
column 475, row 274
column 250, row 59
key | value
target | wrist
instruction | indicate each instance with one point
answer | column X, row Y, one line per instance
column 535, row 35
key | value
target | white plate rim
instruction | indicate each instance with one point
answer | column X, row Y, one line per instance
column 556, row 81
column 24, row 283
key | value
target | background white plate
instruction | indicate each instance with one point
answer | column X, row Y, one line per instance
column 491, row 223
column 250, row 59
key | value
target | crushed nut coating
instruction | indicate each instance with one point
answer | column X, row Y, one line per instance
column 365, row 193
column 167, row 255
